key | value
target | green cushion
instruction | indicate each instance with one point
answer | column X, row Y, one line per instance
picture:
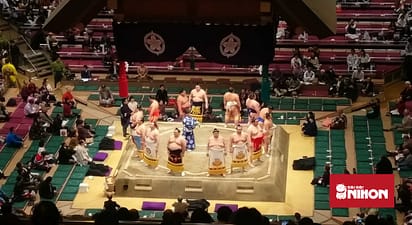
column 343, row 101
column 20, row 205
column 70, row 189
column 79, row 88
column 301, row 107
column 341, row 212
column 67, row 196
column 339, row 155
column 279, row 115
column 133, row 89
column 286, row 106
column 293, row 122
column 315, row 101
column 93, row 97
column 286, row 217
column 322, row 197
column 322, row 205
column 329, row 107
column 59, row 180
column 57, row 110
column 327, row 101
column 323, row 133
column 91, row 212
column 304, row 101
column 313, row 107
column 338, row 169
column 279, row 121
column 405, row 173
column 288, row 101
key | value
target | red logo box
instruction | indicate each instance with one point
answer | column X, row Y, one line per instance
column 362, row 190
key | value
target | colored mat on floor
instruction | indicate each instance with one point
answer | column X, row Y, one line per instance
column 118, row 145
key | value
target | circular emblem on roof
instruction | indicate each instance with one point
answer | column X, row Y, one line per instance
column 154, row 43
column 230, row 45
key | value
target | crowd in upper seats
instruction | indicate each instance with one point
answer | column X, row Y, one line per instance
column 27, row 11
column 307, row 70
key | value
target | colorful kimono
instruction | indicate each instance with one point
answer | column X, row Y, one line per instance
column 150, row 153
column 175, row 161
column 189, row 124
column 217, row 161
column 239, row 155
column 257, row 147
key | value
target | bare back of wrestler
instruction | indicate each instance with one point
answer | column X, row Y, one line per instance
column 253, row 107
column 154, row 110
column 231, row 102
column 182, row 103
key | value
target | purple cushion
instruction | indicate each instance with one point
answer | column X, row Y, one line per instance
column 233, row 207
column 118, row 145
column 100, row 156
column 157, row 206
column 108, row 172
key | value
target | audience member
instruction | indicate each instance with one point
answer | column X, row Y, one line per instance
column 46, row 189
column 123, row 214
column 143, row 73
column 296, row 65
column 31, row 109
column 133, row 215
column 224, row 213
column 293, row 86
column 163, row 99
column 82, row 153
column 46, row 92
column 109, row 204
column 86, row 74
column 308, row 75
column 405, row 161
column 247, row 216
column 67, row 109
column 351, row 30
column 368, row 87
column 46, row 213
column 180, row 207
column 200, row 216
column 13, row 140
column 352, row 60
column 105, row 96
column 375, row 109
column 4, row 113
column 358, row 75
column 69, row 97
column 9, row 72
column 339, row 122
column 58, row 69
column 66, row 154
column 364, row 60
column 309, row 127
column 83, row 132
column 7, row 216
column 384, row 166
column 324, row 180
